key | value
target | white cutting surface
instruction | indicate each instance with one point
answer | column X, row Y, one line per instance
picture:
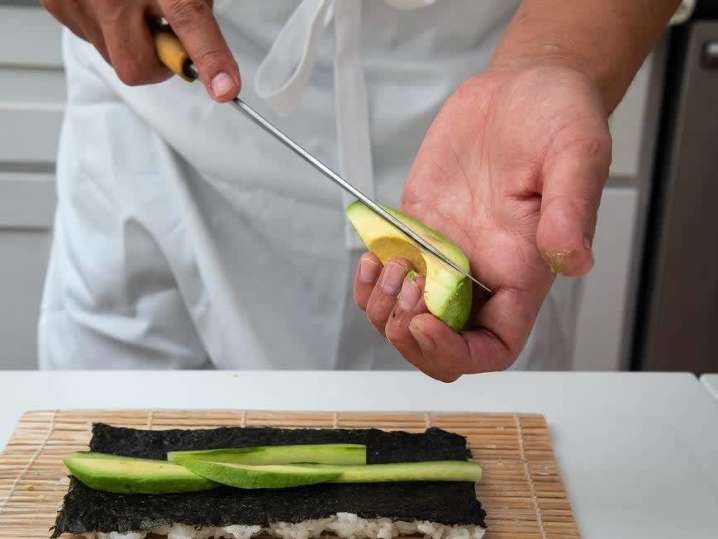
column 711, row 383
column 638, row 452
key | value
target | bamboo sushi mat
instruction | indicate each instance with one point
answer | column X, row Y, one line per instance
column 521, row 490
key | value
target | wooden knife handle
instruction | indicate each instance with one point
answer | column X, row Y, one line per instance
column 172, row 53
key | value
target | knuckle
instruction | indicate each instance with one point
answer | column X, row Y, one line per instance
column 396, row 328
column 393, row 333
column 63, row 10
column 210, row 58
column 594, row 146
column 361, row 297
column 111, row 14
column 186, row 12
column 131, row 74
column 597, row 146
column 376, row 319
column 53, row 6
column 360, row 302
column 571, row 202
column 500, row 361
column 446, row 377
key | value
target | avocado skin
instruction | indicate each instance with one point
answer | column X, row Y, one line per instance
column 458, row 307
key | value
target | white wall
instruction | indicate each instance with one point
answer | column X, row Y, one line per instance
column 31, row 97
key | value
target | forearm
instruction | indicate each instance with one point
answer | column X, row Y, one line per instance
column 605, row 39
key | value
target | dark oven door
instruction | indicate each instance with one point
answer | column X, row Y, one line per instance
column 677, row 315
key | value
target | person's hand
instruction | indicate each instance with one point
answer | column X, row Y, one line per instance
column 120, row 32
column 512, row 171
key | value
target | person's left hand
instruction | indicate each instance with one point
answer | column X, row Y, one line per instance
column 512, row 171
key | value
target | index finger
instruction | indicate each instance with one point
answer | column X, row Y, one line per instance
column 197, row 29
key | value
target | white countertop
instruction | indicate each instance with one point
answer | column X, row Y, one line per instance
column 711, row 383
column 638, row 452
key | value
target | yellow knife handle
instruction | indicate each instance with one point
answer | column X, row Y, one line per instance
column 172, row 53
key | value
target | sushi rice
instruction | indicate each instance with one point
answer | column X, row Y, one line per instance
column 344, row 525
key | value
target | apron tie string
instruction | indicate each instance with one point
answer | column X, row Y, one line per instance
column 283, row 75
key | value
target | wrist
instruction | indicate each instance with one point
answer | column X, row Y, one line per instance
column 552, row 58
column 605, row 40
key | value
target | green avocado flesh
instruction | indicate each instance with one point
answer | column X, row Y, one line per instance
column 263, row 476
column 284, row 454
column 125, row 475
column 447, row 293
column 439, row 470
column 254, row 468
column 293, row 475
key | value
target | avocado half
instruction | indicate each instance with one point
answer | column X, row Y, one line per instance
column 447, row 293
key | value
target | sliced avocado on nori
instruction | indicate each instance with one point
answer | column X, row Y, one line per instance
column 294, row 475
column 284, row 454
column 436, row 470
column 447, row 293
column 85, row 509
column 133, row 475
column 263, row 476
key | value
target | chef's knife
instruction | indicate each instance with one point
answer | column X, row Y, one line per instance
column 172, row 54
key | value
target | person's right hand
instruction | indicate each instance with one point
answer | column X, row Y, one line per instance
column 120, row 32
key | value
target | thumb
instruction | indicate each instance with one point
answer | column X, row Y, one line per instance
column 573, row 178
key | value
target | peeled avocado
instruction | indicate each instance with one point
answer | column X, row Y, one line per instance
column 262, row 476
column 194, row 471
column 447, row 293
column 279, row 454
column 294, row 475
column 125, row 475
column 438, row 470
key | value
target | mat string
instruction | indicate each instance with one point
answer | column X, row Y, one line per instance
column 36, row 454
column 529, row 479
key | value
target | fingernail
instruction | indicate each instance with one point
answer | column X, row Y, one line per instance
column 221, row 84
column 426, row 343
column 587, row 243
column 409, row 295
column 392, row 278
column 556, row 260
column 368, row 270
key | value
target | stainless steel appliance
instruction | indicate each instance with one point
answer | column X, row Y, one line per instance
column 676, row 309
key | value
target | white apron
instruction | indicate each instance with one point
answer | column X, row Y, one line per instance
column 185, row 237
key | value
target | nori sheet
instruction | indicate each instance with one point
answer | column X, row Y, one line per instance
column 85, row 509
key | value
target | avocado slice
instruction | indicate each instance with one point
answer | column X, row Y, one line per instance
column 447, row 293
column 280, row 454
column 438, row 470
column 263, row 476
column 293, row 475
column 126, row 475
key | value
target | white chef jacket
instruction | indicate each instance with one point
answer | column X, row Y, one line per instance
column 185, row 237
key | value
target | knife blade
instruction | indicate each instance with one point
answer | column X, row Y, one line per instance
column 172, row 54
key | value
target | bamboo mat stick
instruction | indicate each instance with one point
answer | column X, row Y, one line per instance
column 521, row 490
